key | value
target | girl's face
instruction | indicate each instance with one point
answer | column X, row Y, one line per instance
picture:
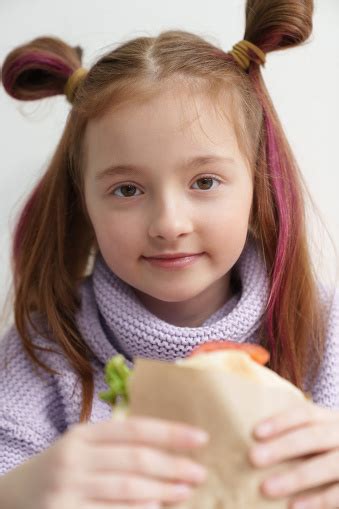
column 165, row 202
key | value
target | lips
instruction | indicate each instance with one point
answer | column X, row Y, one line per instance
column 174, row 263
column 171, row 256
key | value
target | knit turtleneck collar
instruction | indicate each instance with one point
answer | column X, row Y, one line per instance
column 111, row 313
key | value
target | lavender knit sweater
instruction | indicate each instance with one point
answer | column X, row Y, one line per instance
column 36, row 408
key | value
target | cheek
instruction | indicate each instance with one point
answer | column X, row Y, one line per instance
column 227, row 216
column 116, row 233
column 238, row 208
column 225, row 226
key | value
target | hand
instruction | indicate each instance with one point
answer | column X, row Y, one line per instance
column 306, row 429
column 121, row 463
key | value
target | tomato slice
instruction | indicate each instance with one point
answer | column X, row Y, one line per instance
column 258, row 353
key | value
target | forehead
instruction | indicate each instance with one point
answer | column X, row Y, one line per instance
column 172, row 120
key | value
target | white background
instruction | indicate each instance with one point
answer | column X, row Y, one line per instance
column 303, row 83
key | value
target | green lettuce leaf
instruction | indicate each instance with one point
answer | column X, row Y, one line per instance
column 117, row 374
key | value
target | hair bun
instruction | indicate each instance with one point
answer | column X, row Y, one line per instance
column 39, row 68
column 278, row 24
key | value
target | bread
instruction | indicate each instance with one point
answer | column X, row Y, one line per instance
column 240, row 363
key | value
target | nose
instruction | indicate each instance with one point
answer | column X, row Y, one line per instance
column 170, row 218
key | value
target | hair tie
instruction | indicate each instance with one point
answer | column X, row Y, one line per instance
column 73, row 82
column 245, row 51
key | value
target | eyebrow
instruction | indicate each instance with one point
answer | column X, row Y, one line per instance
column 123, row 169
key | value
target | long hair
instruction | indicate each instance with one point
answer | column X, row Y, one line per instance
column 54, row 240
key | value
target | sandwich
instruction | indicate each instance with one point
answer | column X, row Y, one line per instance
column 222, row 387
column 244, row 359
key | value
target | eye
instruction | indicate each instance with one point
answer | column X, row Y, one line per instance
column 128, row 189
column 207, row 180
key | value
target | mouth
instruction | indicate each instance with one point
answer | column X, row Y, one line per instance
column 176, row 262
column 171, row 256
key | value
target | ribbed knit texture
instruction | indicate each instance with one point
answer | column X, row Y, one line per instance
column 36, row 407
column 137, row 332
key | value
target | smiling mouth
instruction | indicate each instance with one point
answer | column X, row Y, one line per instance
column 174, row 263
column 170, row 256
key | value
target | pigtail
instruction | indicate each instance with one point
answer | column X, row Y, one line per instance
column 294, row 316
column 39, row 68
column 52, row 238
column 278, row 24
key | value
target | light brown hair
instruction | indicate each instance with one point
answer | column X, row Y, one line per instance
column 54, row 239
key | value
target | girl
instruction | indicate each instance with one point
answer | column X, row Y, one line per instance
column 172, row 213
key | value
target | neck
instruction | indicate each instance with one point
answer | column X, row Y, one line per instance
column 193, row 312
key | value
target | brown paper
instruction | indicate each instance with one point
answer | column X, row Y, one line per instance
column 227, row 406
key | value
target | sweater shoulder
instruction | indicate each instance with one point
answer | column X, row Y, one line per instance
column 30, row 403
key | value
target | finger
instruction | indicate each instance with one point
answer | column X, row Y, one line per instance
column 325, row 498
column 108, row 505
column 304, row 441
column 143, row 430
column 309, row 474
column 128, row 488
column 302, row 414
column 144, row 460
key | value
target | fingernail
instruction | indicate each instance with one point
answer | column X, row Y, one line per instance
column 301, row 504
column 200, row 437
column 199, row 473
column 264, row 429
column 182, row 490
column 261, row 454
column 276, row 485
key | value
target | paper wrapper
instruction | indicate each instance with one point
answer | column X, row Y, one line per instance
column 227, row 406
